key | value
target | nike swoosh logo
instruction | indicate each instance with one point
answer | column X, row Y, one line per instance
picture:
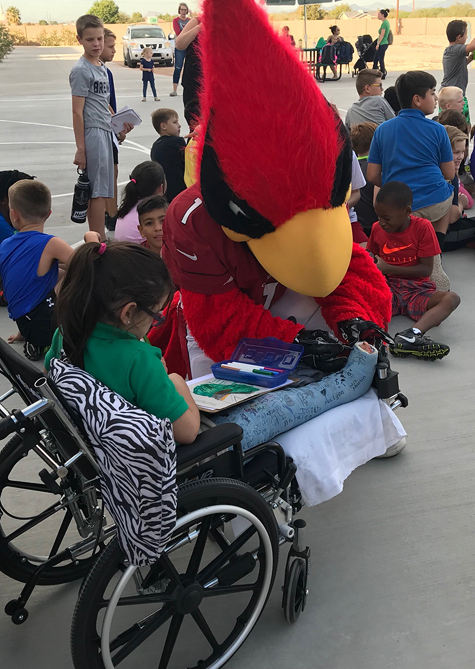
column 193, row 257
column 388, row 251
column 411, row 341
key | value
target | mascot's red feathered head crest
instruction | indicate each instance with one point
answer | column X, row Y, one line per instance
column 276, row 159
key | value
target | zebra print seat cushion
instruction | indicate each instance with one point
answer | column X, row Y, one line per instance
column 137, row 460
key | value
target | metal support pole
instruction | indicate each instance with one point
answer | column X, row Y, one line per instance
column 305, row 22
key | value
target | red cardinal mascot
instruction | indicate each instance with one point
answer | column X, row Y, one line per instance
column 268, row 212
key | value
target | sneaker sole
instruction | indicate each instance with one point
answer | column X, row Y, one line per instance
column 393, row 450
column 433, row 355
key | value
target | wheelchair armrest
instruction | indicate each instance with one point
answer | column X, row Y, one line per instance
column 208, row 443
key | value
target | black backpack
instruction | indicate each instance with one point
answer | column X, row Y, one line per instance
column 328, row 55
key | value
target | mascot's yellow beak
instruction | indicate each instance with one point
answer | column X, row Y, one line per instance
column 309, row 254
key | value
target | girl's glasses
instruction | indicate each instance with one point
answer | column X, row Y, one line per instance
column 158, row 319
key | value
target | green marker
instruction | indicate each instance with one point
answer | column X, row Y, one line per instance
column 263, row 372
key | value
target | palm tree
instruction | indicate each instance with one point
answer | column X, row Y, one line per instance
column 13, row 15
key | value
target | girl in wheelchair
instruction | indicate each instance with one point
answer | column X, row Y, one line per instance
column 111, row 296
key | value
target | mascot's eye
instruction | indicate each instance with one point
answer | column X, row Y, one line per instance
column 236, row 209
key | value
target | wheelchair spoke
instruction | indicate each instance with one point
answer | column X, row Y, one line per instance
column 231, row 589
column 210, row 570
column 145, row 599
column 66, row 522
column 51, row 510
column 199, row 548
column 169, row 569
column 170, row 642
column 144, row 629
column 26, row 485
column 199, row 619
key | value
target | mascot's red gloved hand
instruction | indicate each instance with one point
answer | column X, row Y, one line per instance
column 219, row 322
column 363, row 293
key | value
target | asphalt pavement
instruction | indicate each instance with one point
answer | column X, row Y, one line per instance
column 392, row 575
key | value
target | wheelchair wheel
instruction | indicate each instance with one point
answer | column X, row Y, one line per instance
column 30, row 512
column 198, row 603
column 295, row 590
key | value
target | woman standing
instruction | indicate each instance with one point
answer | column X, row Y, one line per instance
column 191, row 80
column 179, row 23
column 382, row 42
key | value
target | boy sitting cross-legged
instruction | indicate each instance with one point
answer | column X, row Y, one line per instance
column 404, row 247
column 29, row 265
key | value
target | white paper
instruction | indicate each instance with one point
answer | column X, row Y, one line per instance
column 125, row 115
column 212, row 405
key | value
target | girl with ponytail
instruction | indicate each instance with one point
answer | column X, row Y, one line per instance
column 146, row 179
column 110, row 297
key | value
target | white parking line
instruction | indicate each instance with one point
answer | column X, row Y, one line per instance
column 134, row 145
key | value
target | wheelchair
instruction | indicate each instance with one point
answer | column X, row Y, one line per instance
column 196, row 605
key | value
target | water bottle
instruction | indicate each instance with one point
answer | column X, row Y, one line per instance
column 82, row 194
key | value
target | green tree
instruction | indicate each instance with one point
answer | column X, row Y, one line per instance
column 314, row 13
column 336, row 11
column 43, row 22
column 123, row 17
column 13, row 16
column 136, row 17
column 6, row 42
column 106, row 10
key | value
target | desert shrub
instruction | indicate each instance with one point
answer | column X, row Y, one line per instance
column 6, row 42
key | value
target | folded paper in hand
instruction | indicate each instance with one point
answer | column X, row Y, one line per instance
column 125, row 115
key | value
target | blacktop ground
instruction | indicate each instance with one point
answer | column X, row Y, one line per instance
column 393, row 572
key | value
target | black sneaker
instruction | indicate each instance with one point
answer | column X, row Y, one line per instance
column 110, row 222
column 418, row 345
column 33, row 352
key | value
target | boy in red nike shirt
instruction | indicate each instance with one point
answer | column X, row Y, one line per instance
column 404, row 247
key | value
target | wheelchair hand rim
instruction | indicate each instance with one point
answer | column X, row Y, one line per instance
column 185, row 520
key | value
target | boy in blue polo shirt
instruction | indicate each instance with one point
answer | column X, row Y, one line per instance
column 413, row 149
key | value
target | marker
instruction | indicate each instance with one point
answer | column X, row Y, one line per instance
column 263, row 372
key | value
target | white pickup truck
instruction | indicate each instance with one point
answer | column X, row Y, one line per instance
column 137, row 37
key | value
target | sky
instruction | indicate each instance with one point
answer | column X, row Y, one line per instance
column 68, row 10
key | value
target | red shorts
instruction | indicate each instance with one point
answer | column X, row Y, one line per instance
column 410, row 298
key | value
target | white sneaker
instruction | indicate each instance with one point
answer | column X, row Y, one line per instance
column 393, row 450
column 173, row 94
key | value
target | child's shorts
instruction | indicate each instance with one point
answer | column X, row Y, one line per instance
column 38, row 326
column 410, row 298
column 99, row 162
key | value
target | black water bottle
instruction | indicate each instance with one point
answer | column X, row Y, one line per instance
column 82, row 194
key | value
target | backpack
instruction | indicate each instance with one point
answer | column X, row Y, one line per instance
column 390, row 37
column 328, row 55
column 345, row 53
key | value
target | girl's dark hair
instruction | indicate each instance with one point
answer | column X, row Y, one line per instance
column 391, row 97
column 415, row 82
column 333, row 29
column 8, row 178
column 96, row 286
column 144, row 181
column 385, row 12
